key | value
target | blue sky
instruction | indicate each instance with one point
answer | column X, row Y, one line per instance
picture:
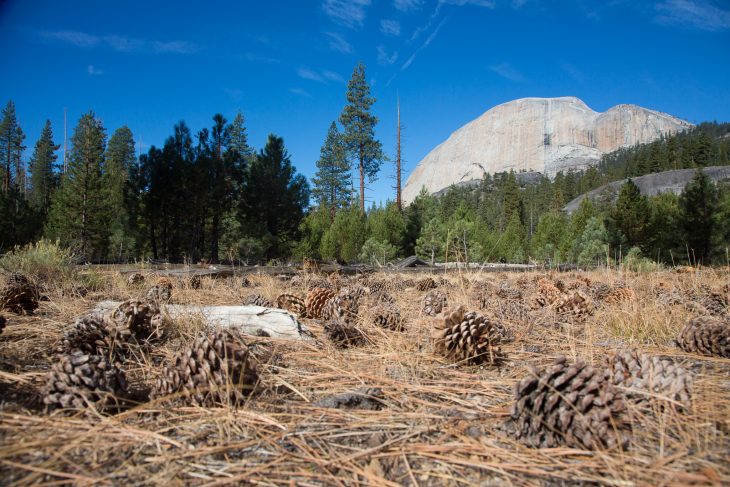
column 284, row 64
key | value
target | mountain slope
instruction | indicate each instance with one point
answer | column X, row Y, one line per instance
column 536, row 134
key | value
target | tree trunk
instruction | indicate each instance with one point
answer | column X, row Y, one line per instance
column 214, row 231
column 362, row 187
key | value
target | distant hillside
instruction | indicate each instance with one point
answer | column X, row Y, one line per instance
column 650, row 184
column 546, row 135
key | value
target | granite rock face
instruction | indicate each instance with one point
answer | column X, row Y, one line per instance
column 546, row 135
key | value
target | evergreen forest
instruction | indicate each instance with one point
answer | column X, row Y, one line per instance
column 207, row 194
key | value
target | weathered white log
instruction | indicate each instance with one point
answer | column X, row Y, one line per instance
column 251, row 320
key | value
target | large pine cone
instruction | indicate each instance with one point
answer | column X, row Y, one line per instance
column 376, row 287
column 316, row 300
column 433, row 303
column 135, row 279
column 161, row 292
column 619, row 295
column 507, row 292
column 572, row 405
column 646, row 376
column 426, row 284
column 344, row 335
column 706, row 335
column 92, row 334
column 143, row 320
column 388, row 316
column 217, row 367
column 382, row 297
column 547, row 293
column 257, row 300
column 575, row 304
column 195, row 282
column 291, row 303
column 469, row 337
column 19, row 296
column 716, row 303
column 78, row 379
column 600, row 290
column 343, row 307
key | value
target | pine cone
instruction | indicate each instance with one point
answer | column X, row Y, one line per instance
column 433, row 303
column 376, row 287
column 344, row 335
column 559, row 285
column 715, row 303
column 293, row 304
column 646, row 376
column 426, row 284
column 78, row 379
column 161, row 292
column 383, row 297
column 469, row 337
column 506, row 292
column 135, row 279
column 195, row 282
column 19, row 296
column 143, row 320
column 547, row 293
column 599, row 290
column 3, row 322
column 706, row 335
column 388, row 316
column 91, row 334
column 216, row 367
column 576, row 304
column 572, row 405
column 319, row 283
column 257, row 300
column 245, row 282
column 316, row 300
column 343, row 307
column 619, row 295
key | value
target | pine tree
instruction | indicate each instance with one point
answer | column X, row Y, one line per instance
column 698, row 204
column 80, row 211
column 238, row 148
column 333, row 180
column 629, row 219
column 359, row 130
column 512, row 203
column 273, row 205
column 11, row 145
column 42, row 164
column 120, row 159
column 223, row 177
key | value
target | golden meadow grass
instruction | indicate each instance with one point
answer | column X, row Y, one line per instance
column 440, row 425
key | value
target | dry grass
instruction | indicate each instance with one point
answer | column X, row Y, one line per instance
column 441, row 424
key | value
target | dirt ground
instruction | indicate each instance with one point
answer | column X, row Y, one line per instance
column 431, row 422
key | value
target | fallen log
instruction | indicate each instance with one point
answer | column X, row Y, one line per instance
column 251, row 320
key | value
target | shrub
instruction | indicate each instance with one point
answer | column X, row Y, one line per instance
column 636, row 263
column 44, row 262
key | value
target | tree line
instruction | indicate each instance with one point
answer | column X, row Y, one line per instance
column 210, row 195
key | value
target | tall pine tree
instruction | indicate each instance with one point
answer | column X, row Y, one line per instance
column 629, row 219
column 11, row 146
column 333, row 181
column 697, row 208
column 273, row 204
column 359, row 130
column 80, row 213
column 43, row 177
column 120, row 159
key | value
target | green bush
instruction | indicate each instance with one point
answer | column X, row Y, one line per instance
column 44, row 262
column 636, row 263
